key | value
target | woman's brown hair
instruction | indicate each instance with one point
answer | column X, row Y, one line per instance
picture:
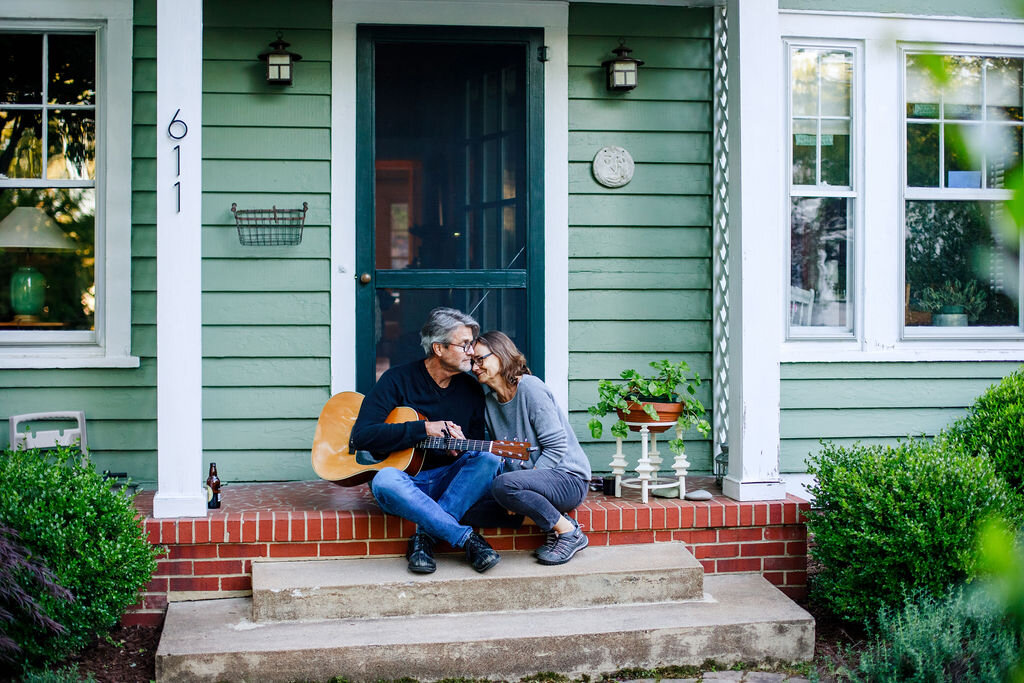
column 513, row 362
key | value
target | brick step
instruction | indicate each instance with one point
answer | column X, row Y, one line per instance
column 383, row 587
column 741, row 618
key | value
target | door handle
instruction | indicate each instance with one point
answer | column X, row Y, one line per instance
column 365, row 278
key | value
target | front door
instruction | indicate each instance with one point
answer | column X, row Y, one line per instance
column 449, row 187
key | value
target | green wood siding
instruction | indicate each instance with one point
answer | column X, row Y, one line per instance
column 874, row 402
column 1002, row 9
column 266, row 310
column 119, row 404
column 640, row 255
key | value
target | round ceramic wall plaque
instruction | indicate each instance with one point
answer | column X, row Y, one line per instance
column 613, row 166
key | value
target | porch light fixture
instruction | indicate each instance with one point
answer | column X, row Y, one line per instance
column 623, row 70
column 28, row 228
column 279, row 62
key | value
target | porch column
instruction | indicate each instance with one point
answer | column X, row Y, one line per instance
column 179, row 52
column 757, row 258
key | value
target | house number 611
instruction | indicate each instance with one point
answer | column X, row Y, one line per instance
column 176, row 130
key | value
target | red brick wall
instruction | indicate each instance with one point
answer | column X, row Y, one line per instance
column 212, row 557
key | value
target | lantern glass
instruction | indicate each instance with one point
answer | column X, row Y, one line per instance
column 278, row 59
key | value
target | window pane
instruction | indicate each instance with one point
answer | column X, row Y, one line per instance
column 1003, row 90
column 962, row 95
column 821, row 83
column 922, row 93
column 72, row 69
column 805, row 150
column 923, row 154
column 804, row 66
column 963, row 167
column 400, row 314
column 836, row 81
column 47, row 259
column 1003, row 153
column 72, row 145
column 821, row 232
column 835, row 152
column 21, row 144
column 21, row 68
column 957, row 273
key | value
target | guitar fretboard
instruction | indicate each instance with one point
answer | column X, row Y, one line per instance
column 520, row 452
column 449, row 444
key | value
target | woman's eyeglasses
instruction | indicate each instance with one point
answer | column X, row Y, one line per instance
column 479, row 360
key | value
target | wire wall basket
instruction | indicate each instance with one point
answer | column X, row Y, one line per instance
column 271, row 227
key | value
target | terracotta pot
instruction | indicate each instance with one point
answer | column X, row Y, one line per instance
column 667, row 412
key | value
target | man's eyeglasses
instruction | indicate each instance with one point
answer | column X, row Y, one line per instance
column 479, row 360
column 467, row 348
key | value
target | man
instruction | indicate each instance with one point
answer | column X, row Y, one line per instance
column 439, row 388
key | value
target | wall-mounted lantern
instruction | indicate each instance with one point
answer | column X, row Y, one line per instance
column 279, row 62
column 623, row 70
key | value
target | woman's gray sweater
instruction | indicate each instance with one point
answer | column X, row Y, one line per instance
column 533, row 415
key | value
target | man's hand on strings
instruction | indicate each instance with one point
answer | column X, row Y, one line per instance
column 444, row 428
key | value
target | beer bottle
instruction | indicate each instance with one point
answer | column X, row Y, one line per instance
column 213, row 488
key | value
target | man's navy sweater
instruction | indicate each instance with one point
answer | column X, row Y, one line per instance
column 461, row 402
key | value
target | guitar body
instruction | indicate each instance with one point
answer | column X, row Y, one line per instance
column 332, row 459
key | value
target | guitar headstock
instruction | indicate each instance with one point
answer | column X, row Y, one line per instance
column 512, row 449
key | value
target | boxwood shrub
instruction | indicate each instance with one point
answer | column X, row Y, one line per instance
column 960, row 636
column 87, row 533
column 994, row 426
column 889, row 520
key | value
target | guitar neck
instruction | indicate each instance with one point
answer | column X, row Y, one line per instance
column 449, row 444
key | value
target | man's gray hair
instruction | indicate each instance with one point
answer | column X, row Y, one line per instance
column 441, row 323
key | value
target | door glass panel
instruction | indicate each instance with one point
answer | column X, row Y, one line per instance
column 400, row 313
column 450, row 150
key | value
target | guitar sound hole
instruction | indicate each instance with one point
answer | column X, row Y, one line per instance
column 366, row 458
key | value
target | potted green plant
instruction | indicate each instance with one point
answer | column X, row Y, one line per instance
column 954, row 303
column 667, row 395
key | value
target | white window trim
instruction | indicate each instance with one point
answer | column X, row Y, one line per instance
column 854, row 192
column 553, row 18
column 880, row 335
column 111, row 346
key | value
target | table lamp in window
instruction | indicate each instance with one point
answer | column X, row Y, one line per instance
column 28, row 229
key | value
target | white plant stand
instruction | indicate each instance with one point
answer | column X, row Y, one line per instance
column 649, row 464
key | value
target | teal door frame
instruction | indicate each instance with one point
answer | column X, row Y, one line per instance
column 530, row 278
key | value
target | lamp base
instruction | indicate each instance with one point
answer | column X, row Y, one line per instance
column 28, row 293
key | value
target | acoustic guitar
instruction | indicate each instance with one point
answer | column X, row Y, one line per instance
column 333, row 461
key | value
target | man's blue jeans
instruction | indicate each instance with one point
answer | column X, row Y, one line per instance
column 436, row 499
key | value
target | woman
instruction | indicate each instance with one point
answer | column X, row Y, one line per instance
column 520, row 407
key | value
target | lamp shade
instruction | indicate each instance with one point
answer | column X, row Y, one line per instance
column 29, row 227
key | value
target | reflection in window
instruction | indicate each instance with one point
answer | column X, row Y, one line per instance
column 450, row 146
column 818, row 261
column 47, row 259
column 821, row 89
column 47, row 136
column 822, row 190
column 958, row 272
column 966, row 133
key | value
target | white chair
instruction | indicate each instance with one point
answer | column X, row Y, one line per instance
column 801, row 305
column 21, row 435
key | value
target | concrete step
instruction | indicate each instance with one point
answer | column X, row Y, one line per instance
column 384, row 587
column 742, row 618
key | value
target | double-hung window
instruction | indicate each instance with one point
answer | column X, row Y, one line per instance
column 65, row 178
column 962, row 130
column 823, row 194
